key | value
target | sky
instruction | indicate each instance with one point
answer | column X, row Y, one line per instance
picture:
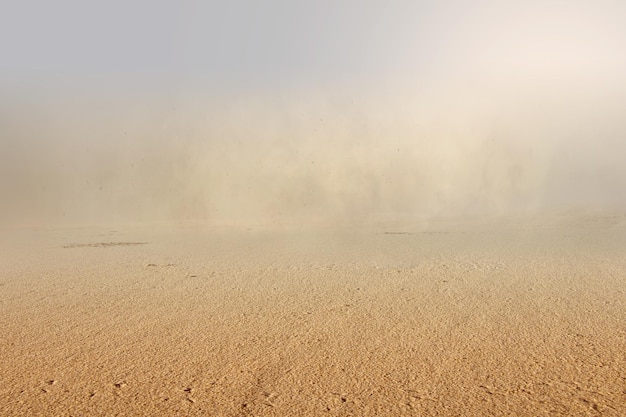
column 130, row 110
column 277, row 44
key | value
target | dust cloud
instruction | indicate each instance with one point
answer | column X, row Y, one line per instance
column 307, row 156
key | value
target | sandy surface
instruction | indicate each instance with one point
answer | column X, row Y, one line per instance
column 510, row 318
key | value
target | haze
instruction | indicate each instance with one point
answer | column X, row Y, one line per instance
column 237, row 111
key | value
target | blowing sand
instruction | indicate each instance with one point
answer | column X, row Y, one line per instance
column 453, row 319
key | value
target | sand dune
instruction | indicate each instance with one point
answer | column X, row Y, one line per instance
column 524, row 317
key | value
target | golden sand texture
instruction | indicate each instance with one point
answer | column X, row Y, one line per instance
column 429, row 320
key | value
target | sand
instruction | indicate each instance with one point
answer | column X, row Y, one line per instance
column 515, row 317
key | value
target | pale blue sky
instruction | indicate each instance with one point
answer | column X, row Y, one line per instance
column 259, row 44
column 203, row 42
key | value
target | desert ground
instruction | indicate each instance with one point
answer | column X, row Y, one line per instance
column 521, row 317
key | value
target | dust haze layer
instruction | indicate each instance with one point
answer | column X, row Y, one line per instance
column 341, row 156
column 317, row 112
